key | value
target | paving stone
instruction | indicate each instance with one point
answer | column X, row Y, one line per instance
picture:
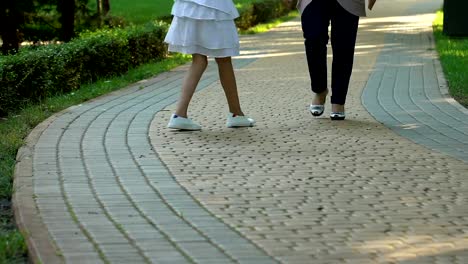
column 292, row 189
column 390, row 162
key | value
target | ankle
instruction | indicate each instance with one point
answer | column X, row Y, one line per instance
column 320, row 98
column 338, row 108
column 237, row 113
column 179, row 114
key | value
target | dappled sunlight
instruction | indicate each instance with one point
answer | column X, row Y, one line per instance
column 282, row 43
column 397, row 23
column 358, row 47
column 410, row 126
column 266, row 54
column 414, row 247
column 363, row 53
column 363, row 50
column 399, row 19
column 407, row 64
column 370, row 25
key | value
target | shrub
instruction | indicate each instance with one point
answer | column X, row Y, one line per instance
column 261, row 11
column 33, row 74
column 147, row 43
column 99, row 54
column 268, row 9
column 246, row 17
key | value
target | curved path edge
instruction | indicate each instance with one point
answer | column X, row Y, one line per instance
column 443, row 84
column 41, row 248
column 408, row 92
column 30, row 210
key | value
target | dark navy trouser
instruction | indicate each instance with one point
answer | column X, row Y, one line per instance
column 315, row 21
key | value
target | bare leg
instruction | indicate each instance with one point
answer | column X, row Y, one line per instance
column 228, row 81
column 199, row 64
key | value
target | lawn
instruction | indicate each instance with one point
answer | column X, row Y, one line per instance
column 141, row 11
column 453, row 53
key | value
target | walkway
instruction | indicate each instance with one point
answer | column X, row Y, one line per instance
column 106, row 182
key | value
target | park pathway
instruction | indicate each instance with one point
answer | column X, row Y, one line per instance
column 107, row 182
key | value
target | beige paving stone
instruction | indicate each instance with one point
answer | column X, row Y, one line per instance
column 306, row 188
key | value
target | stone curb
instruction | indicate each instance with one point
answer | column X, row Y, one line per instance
column 41, row 247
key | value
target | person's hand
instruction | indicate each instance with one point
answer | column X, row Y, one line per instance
column 371, row 4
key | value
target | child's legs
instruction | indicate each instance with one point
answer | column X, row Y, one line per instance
column 228, row 81
column 199, row 63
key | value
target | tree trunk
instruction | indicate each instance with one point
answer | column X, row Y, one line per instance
column 10, row 20
column 105, row 7
column 67, row 10
column 99, row 8
column 10, row 40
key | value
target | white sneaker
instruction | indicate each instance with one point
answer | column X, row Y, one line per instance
column 239, row 121
column 182, row 123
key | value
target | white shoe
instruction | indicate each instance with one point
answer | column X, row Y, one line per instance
column 182, row 123
column 239, row 121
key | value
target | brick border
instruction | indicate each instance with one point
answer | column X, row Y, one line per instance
column 41, row 248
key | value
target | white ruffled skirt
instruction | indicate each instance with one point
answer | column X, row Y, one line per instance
column 202, row 29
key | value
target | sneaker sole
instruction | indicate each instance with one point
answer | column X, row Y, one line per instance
column 184, row 128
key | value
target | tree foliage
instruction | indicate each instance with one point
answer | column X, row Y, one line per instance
column 45, row 20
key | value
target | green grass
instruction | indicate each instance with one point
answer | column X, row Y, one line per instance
column 453, row 54
column 12, row 247
column 138, row 11
column 142, row 11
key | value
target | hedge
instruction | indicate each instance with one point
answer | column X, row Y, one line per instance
column 33, row 74
column 260, row 11
column 37, row 73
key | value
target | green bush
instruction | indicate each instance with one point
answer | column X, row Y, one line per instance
column 246, row 17
column 23, row 76
column 100, row 54
column 36, row 73
column 261, row 11
column 147, row 43
column 268, row 9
